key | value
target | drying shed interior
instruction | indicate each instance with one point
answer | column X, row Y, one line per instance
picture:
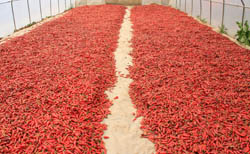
column 121, row 2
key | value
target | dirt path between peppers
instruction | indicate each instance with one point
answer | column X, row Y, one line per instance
column 124, row 133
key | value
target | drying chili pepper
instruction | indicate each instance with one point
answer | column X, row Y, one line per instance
column 191, row 84
column 116, row 97
column 53, row 83
column 106, row 137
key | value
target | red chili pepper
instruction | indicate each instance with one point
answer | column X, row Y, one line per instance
column 116, row 97
column 189, row 84
column 106, row 137
column 53, row 83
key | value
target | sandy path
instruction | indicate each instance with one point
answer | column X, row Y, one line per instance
column 124, row 133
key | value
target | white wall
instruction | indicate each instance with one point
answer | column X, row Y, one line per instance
column 95, row 2
column 98, row 2
column 124, row 2
column 146, row 2
column 89, row 2
column 81, row 2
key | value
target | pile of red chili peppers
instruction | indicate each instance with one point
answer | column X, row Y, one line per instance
column 191, row 84
column 52, row 83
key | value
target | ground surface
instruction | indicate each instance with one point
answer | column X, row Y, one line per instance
column 123, row 131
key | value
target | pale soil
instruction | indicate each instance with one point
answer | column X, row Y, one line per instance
column 124, row 133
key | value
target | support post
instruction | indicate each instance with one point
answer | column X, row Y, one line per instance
column 223, row 13
column 192, row 5
column 180, row 5
column 28, row 6
column 185, row 5
column 201, row 9
column 50, row 6
column 13, row 14
column 58, row 6
column 40, row 10
column 210, row 13
column 243, row 11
